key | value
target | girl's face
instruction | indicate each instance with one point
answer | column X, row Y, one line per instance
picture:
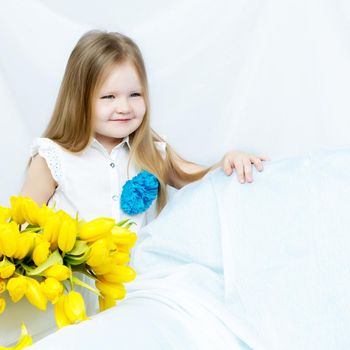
column 119, row 106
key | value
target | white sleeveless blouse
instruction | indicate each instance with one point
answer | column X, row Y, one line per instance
column 90, row 182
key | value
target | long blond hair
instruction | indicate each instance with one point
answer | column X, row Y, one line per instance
column 71, row 124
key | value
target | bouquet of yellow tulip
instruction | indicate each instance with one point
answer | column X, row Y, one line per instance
column 40, row 249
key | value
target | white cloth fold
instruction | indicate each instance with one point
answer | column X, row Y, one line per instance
column 229, row 266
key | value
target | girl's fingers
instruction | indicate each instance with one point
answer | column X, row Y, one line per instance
column 264, row 157
column 248, row 169
column 243, row 166
column 258, row 164
column 240, row 170
column 227, row 166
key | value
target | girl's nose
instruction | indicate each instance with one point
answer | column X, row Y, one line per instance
column 122, row 105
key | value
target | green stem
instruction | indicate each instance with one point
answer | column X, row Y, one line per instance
column 71, row 278
column 84, row 272
column 80, row 283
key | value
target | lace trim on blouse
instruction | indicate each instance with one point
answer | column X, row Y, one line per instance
column 47, row 149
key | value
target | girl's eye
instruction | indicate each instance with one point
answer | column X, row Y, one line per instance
column 107, row 97
column 135, row 94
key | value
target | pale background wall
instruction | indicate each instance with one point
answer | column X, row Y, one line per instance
column 265, row 76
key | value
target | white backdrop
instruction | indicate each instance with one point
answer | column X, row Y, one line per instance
column 265, row 76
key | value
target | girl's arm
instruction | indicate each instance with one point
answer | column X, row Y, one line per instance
column 187, row 167
column 241, row 161
column 39, row 184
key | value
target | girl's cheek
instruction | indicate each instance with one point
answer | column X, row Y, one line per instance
column 107, row 110
column 140, row 107
column 140, row 113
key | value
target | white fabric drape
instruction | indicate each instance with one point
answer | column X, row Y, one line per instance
column 227, row 266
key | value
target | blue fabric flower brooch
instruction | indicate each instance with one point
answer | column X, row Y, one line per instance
column 139, row 193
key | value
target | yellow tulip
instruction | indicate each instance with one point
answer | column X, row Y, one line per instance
column 5, row 214
column 60, row 272
column 112, row 290
column 52, row 227
column 44, row 214
column 9, row 236
column 52, row 289
column 120, row 274
column 2, row 305
column 124, row 248
column 16, row 209
column 2, row 286
column 24, row 209
column 25, row 245
column 67, row 235
column 60, row 316
column 74, row 307
column 35, row 295
column 24, row 341
column 119, row 230
column 17, row 287
column 122, row 235
column 120, row 258
column 41, row 252
column 70, row 309
column 99, row 253
column 7, row 268
column 30, row 211
column 106, row 303
column 105, row 268
column 98, row 228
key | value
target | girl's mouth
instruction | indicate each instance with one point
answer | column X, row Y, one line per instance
column 119, row 120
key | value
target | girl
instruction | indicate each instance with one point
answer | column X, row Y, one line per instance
column 100, row 135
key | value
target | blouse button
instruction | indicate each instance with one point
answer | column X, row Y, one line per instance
column 115, row 197
column 112, row 165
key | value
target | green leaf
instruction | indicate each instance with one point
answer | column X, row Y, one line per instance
column 80, row 247
column 77, row 260
column 53, row 259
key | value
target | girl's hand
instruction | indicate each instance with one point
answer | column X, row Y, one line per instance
column 242, row 162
